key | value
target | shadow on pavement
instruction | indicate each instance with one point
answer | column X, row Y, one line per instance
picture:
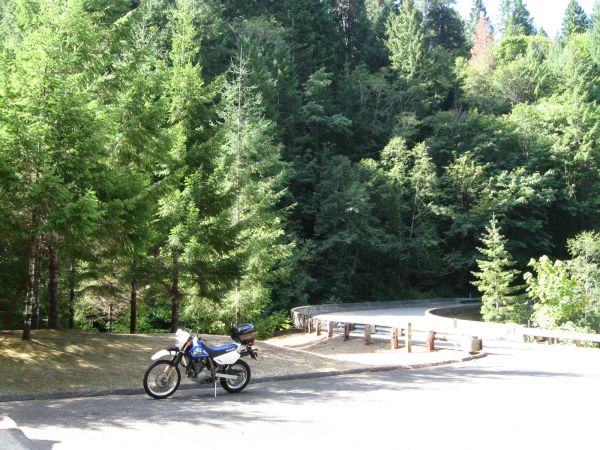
column 15, row 439
column 197, row 407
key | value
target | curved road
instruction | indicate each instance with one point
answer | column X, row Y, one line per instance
column 520, row 396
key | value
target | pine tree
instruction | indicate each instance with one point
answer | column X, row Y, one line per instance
column 520, row 22
column 474, row 16
column 183, row 203
column 407, row 42
column 496, row 279
column 254, row 176
column 505, row 14
column 575, row 20
column 444, row 25
column 58, row 134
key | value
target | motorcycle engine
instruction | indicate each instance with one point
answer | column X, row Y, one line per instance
column 201, row 372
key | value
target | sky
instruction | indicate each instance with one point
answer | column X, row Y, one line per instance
column 547, row 14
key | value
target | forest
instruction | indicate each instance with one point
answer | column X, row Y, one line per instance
column 198, row 163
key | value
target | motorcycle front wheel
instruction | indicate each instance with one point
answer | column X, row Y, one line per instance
column 242, row 371
column 161, row 379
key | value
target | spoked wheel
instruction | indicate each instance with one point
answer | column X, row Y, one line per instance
column 242, row 372
column 161, row 379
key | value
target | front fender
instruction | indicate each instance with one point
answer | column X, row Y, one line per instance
column 162, row 353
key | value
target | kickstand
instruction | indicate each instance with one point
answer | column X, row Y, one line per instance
column 215, row 389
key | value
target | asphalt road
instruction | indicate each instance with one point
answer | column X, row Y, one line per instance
column 518, row 397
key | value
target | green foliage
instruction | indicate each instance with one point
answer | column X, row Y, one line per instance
column 477, row 9
column 575, row 20
column 515, row 19
column 227, row 159
column 502, row 301
column 565, row 293
column 268, row 326
column 406, row 41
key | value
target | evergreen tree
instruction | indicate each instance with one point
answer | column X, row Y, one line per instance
column 57, row 134
column 444, row 25
column 496, row 279
column 575, row 20
column 407, row 41
column 520, row 22
column 477, row 8
column 505, row 13
column 188, row 190
column 255, row 177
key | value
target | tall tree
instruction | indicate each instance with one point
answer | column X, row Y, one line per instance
column 505, row 11
column 407, row 41
column 188, row 160
column 477, row 7
column 58, row 131
column 496, row 280
column 444, row 25
column 515, row 18
column 575, row 20
column 520, row 22
column 255, row 176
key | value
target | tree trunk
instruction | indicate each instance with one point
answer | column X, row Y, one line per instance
column 72, row 295
column 133, row 305
column 175, row 294
column 52, row 285
column 30, row 290
column 110, row 317
column 36, row 285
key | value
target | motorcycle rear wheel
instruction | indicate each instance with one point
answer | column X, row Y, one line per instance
column 242, row 370
column 161, row 379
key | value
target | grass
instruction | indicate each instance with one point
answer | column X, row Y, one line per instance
column 55, row 361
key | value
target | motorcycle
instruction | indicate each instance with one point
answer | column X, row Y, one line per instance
column 202, row 363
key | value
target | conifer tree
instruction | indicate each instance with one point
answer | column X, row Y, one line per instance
column 407, row 41
column 254, row 176
column 444, row 25
column 474, row 16
column 575, row 20
column 496, row 279
column 520, row 22
column 505, row 13
column 515, row 18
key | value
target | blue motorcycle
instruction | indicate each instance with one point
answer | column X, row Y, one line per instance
column 202, row 363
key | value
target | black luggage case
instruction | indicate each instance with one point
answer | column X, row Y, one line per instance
column 244, row 334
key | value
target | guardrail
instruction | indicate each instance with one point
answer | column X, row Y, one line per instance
column 471, row 344
column 511, row 332
column 432, row 326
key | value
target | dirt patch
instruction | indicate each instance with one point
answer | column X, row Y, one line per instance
column 59, row 361
column 357, row 351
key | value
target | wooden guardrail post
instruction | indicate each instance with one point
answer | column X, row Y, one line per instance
column 310, row 326
column 368, row 339
column 318, row 327
column 394, row 339
column 346, row 331
column 431, row 341
column 330, row 327
column 409, row 338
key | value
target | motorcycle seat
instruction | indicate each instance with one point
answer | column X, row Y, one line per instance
column 219, row 349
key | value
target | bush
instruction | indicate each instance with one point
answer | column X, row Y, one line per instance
column 268, row 326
